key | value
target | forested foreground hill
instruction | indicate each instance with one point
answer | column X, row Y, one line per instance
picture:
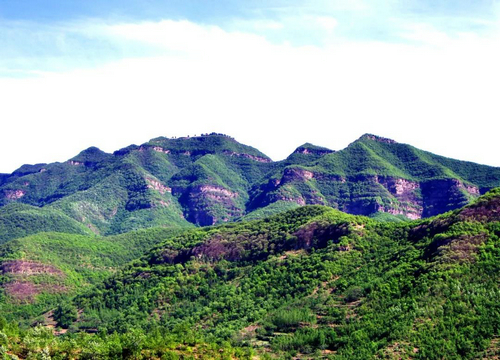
column 312, row 282
column 213, row 179
column 40, row 271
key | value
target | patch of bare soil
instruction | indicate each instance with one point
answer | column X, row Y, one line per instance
column 23, row 267
column 26, row 291
column 23, row 292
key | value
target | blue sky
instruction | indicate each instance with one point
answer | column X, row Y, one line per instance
column 274, row 74
column 49, row 35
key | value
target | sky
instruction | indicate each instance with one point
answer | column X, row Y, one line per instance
column 273, row 74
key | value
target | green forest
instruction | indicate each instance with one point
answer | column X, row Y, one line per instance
column 311, row 282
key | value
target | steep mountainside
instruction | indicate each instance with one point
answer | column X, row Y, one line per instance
column 277, row 274
column 315, row 282
column 210, row 179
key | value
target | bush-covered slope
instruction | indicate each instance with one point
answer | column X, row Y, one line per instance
column 19, row 220
column 317, row 282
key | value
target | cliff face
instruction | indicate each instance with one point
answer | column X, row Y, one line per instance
column 373, row 193
column 419, row 199
column 210, row 204
column 443, row 195
column 407, row 196
column 368, row 194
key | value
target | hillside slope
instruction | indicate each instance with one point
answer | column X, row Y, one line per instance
column 19, row 220
column 317, row 281
column 39, row 271
column 312, row 282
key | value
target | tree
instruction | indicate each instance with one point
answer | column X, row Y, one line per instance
column 65, row 315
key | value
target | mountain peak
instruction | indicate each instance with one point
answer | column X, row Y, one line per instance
column 187, row 137
column 28, row 169
column 309, row 148
column 91, row 151
column 377, row 138
column 90, row 155
column 199, row 145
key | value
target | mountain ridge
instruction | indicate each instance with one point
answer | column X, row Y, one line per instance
column 212, row 178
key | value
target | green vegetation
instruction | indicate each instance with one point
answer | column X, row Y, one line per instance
column 382, row 216
column 41, row 270
column 65, row 315
column 271, row 209
column 317, row 282
column 310, row 282
column 100, row 256
column 19, row 220
column 40, row 343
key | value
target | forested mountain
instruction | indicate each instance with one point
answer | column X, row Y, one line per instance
column 212, row 179
column 308, row 283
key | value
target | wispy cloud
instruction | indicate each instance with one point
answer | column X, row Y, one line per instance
column 30, row 46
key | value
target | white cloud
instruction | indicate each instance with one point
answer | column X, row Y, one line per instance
column 327, row 22
column 274, row 97
column 426, row 34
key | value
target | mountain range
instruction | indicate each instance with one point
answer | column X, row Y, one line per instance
column 211, row 179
